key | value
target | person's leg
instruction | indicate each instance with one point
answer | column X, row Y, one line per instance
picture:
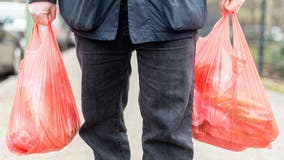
column 166, row 97
column 105, row 69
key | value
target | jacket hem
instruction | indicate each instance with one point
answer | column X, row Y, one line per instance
column 137, row 38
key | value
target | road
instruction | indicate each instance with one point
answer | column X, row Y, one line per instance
column 78, row 150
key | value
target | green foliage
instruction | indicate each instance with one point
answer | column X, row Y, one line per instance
column 274, row 85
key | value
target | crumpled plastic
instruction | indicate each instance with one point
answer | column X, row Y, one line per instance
column 230, row 109
column 44, row 115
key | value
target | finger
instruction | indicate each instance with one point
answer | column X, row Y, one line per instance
column 53, row 13
column 43, row 19
column 35, row 18
column 231, row 6
column 222, row 9
column 49, row 18
column 221, row 5
column 234, row 5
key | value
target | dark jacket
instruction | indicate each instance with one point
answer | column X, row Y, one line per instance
column 148, row 20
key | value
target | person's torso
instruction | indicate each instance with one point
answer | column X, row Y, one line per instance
column 148, row 20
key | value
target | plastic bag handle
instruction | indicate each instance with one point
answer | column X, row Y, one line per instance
column 52, row 34
column 222, row 25
column 238, row 36
column 50, row 38
column 221, row 28
column 35, row 39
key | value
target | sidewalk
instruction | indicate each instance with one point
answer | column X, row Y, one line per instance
column 78, row 150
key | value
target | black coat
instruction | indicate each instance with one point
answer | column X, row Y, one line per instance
column 149, row 20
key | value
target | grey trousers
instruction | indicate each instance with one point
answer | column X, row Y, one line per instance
column 166, row 95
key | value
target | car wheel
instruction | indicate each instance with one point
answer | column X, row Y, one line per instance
column 17, row 59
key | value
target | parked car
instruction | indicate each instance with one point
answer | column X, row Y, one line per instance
column 11, row 52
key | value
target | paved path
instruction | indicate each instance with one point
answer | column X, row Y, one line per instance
column 78, row 150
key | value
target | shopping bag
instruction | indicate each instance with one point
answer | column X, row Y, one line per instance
column 236, row 115
column 217, row 66
column 44, row 116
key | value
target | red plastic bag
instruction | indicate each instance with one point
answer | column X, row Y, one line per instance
column 230, row 109
column 217, row 66
column 44, row 116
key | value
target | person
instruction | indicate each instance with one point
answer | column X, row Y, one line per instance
column 163, row 33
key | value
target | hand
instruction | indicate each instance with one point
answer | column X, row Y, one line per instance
column 42, row 12
column 230, row 6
